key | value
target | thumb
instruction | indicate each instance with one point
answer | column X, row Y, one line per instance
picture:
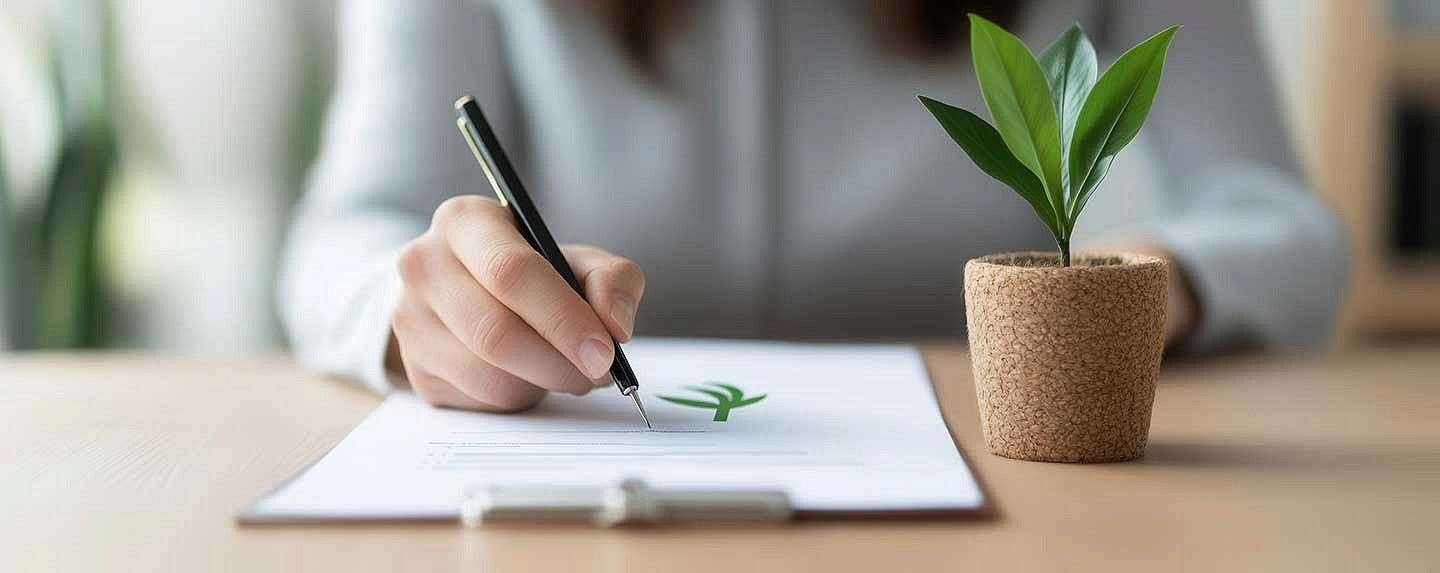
column 613, row 285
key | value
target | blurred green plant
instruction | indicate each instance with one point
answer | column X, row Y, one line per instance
column 51, row 283
column 7, row 257
column 731, row 398
column 53, row 274
column 1057, row 128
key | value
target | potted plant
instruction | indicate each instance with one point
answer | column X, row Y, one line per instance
column 1066, row 352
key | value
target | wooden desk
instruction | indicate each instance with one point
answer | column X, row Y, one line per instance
column 120, row 462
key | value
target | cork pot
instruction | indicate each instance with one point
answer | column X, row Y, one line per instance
column 1066, row 358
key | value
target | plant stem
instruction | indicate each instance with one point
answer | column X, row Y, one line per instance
column 1064, row 245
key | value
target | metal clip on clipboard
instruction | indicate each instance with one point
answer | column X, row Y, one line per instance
column 630, row 502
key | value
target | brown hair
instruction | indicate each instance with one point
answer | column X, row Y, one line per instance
column 918, row 28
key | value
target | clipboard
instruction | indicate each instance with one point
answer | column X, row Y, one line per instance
column 816, row 450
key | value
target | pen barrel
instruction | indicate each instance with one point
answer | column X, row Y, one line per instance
column 621, row 372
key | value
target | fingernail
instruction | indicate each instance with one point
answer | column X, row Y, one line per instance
column 596, row 357
column 623, row 311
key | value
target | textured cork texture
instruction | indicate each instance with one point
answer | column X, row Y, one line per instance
column 1066, row 358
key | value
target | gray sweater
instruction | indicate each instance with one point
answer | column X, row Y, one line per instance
column 786, row 183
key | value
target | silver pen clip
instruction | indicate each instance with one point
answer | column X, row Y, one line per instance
column 630, row 502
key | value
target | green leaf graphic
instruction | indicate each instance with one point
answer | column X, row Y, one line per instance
column 732, row 398
column 691, row 403
column 735, row 393
column 718, row 396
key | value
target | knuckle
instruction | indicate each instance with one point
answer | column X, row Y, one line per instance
column 565, row 326
column 412, row 261
column 429, row 397
column 474, row 388
column 427, row 387
column 629, row 273
column 579, row 384
column 583, row 250
column 404, row 320
column 562, row 324
column 509, row 267
column 400, row 323
column 458, row 208
column 450, row 210
column 516, row 400
column 500, row 392
column 493, row 337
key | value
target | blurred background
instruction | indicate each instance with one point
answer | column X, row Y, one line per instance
column 151, row 151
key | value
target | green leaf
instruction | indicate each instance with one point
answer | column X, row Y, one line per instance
column 735, row 393
column 985, row 147
column 1113, row 113
column 1070, row 67
column 1092, row 180
column 691, row 403
column 749, row 401
column 1018, row 97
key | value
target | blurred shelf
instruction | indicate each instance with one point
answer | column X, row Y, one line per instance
column 1375, row 59
column 1411, row 299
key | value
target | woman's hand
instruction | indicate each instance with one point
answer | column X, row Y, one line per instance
column 485, row 323
column 1182, row 312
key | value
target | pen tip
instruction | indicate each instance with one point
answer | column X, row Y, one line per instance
column 640, row 406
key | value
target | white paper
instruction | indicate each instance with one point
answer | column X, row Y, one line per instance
column 841, row 427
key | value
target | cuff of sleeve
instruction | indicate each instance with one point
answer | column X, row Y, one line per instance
column 377, row 332
column 1233, row 261
column 1265, row 260
column 1222, row 300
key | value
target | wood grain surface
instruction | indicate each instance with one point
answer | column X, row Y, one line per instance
column 121, row 462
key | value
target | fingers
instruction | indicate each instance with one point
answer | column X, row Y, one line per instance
column 485, row 323
column 483, row 237
column 444, row 373
column 613, row 285
column 472, row 384
column 420, row 336
column 486, row 333
column 441, row 394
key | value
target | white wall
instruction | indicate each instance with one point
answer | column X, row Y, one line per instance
column 215, row 88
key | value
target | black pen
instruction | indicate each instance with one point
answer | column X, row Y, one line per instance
column 511, row 192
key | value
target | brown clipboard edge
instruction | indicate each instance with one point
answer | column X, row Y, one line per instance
column 986, row 511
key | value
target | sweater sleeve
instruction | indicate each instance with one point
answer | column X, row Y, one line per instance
column 1265, row 256
column 389, row 156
